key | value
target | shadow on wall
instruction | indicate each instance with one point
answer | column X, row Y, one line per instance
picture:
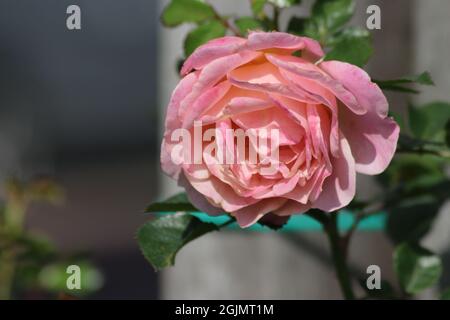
column 81, row 106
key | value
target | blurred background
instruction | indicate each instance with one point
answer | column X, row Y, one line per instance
column 86, row 107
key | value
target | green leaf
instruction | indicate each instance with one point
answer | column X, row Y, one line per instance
column 423, row 78
column 417, row 268
column 202, row 34
column 437, row 187
column 445, row 295
column 411, row 221
column 245, row 24
column 398, row 117
column 284, row 3
column 296, row 25
column 328, row 17
column 160, row 239
column 258, row 8
column 416, row 122
column 183, row 11
column 178, row 202
column 406, row 169
column 353, row 46
column 429, row 121
column 396, row 88
column 399, row 84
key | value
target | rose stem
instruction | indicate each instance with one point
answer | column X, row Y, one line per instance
column 338, row 246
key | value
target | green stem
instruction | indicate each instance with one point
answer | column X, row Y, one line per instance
column 413, row 145
column 421, row 151
column 224, row 21
column 339, row 246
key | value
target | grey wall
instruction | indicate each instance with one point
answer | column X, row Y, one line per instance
column 82, row 106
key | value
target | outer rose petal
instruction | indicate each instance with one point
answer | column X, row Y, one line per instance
column 219, row 193
column 182, row 90
column 197, row 199
column 167, row 165
column 373, row 140
column 372, row 137
column 225, row 46
column 292, row 207
column 249, row 215
column 310, row 71
column 210, row 51
column 339, row 188
column 358, row 82
column 281, row 40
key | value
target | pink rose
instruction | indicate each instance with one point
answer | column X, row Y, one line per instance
column 331, row 119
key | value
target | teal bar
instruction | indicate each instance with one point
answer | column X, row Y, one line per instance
column 302, row 222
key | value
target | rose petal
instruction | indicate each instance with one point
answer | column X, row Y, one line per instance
column 219, row 193
column 339, row 188
column 270, row 40
column 205, row 101
column 212, row 73
column 373, row 140
column 358, row 82
column 372, row 137
column 324, row 96
column 264, row 121
column 211, row 51
column 239, row 105
column 197, row 199
column 292, row 207
column 180, row 92
column 249, row 215
column 310, row 71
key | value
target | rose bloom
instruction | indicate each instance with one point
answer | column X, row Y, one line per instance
column 332, row 123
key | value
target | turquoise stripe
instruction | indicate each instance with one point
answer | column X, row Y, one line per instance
column 306, row 223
